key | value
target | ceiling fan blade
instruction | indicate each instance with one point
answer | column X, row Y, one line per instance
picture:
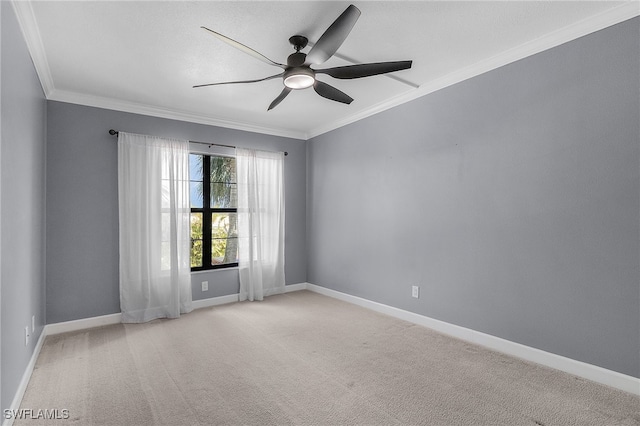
column 238, row 82
column 334, row 36
column 330, row 92
column 279, row 99
column 245, row 49
column 365, row 70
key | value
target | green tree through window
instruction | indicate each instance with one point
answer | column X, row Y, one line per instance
column 214, row 219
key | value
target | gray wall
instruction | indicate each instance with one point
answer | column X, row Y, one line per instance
column 511, row 199
column 82, row 206
column 22, row 205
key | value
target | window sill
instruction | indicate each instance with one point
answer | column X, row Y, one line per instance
column 206, row 271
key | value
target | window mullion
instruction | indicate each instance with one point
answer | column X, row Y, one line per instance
column 206, row 209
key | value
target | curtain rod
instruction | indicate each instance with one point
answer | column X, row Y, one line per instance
column 115, row 133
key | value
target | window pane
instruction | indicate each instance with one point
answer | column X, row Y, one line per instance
column 224, row 241
column 195, row 167
column 218, row 249
column 224, row 225
column 196, row 253
column 223, row 169
column 224, row 250
column 195, row 195
column 196, row 239
column 196, row 226
column 223, row 182
column 224, row 195
column 196, row 163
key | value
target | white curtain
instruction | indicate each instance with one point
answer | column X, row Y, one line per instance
column 153, row 196
column 260, row 223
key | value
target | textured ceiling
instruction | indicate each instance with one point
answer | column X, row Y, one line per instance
column 145, row 56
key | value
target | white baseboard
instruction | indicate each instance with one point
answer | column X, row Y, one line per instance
column 85, row 323
column 274, row 291
column 26, row 376
column 578, row 368
column 295, row 287
column 214, row 301
column 81, row 324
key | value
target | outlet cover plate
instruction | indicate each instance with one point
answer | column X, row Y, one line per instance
column 415, row 291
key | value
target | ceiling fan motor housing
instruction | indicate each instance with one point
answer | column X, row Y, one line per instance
column 296, row 59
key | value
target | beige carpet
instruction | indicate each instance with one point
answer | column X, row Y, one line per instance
column 303, row 359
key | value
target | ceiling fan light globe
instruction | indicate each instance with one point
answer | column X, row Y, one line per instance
column 299, row 78
column 299, row 81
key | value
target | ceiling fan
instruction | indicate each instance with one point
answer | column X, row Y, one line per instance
column 298, row 73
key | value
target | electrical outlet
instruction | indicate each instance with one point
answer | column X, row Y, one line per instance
column 415, row 291
column 33, row 323
column 205, row 285
column 26, row 336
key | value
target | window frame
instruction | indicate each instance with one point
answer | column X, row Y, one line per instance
column 207, row 212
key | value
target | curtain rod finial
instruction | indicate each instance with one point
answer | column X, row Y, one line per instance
column 113, row 132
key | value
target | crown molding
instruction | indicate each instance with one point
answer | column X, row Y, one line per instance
column 28, row 24
column 142, row 109
column 571, row 32
column 31, row 33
